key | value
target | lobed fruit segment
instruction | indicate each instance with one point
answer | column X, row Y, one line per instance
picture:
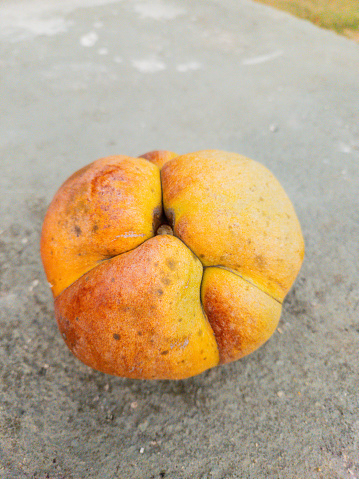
column 241, row 325
column 133, row 300
column 105, row 209
column 232, row 212
column 149, row 322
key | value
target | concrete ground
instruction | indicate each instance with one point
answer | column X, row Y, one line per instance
column 82, row 79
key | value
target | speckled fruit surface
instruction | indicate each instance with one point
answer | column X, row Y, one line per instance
column 164, row 266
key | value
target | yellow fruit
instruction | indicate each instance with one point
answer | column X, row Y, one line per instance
column 166, row 273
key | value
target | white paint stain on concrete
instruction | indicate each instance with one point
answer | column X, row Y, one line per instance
column 262, row 58
column 158, row 10
column 149, row 65
column 89, row 39
column 189, row 66
column 23, row 19
column 345, row 148
column 102, row 51
column 19, row 25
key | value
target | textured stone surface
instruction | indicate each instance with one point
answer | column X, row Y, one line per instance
column 85, row 79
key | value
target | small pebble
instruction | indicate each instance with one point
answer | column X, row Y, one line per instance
column 280, row 394
column 34, row 284
column 134, row 405
column 142, row 450
column 143, row 426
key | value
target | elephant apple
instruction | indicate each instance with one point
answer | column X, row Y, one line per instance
column 164, row 266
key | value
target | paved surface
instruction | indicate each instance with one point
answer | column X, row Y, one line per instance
column 86, row 79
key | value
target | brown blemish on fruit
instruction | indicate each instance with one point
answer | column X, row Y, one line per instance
column 260, row 261
column 78, row 230
column 166, row 280
column 116, row 336
column 171, row 263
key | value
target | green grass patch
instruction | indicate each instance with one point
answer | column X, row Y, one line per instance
column 342, row 16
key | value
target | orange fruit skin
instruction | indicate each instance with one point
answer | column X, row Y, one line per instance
column 232, row 212
column 159, row 157
column 139, row 314
column 135, row 301
column 105, row 209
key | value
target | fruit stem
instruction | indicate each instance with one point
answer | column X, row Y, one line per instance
column 164, row 230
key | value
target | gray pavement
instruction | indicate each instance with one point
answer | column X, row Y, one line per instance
column 85, row 79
